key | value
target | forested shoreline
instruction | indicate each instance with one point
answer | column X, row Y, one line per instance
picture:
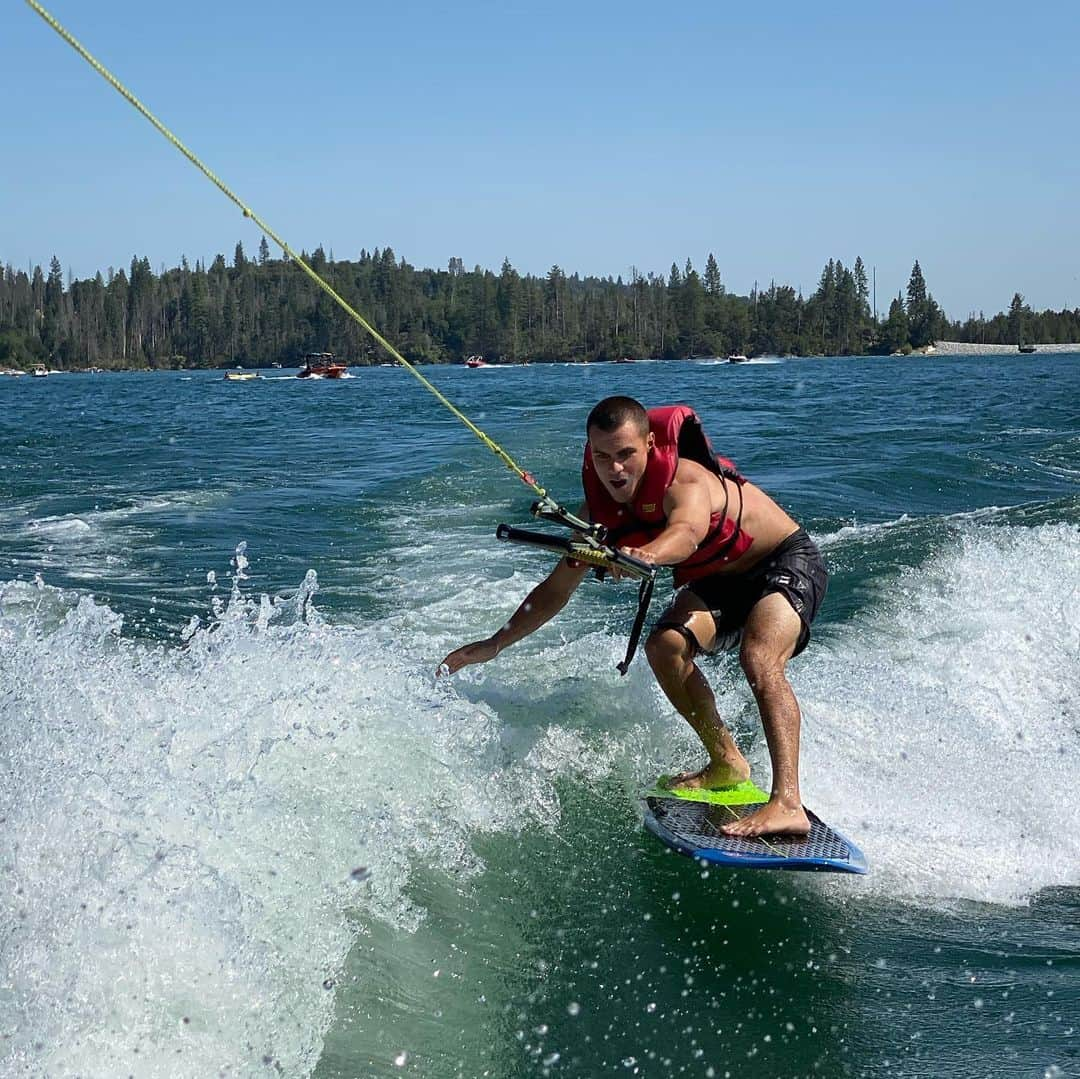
column 258, row 311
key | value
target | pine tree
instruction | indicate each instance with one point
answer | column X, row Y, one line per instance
column 864, row 328
column 54, row 285
column 1017, row 321
column 862, row 288
column 692, row 309
column 916, row 289
column 507, row 303
column 711, row 280
column 555, row 310
column 918, row 309
column 894, row 334
column 823, row 302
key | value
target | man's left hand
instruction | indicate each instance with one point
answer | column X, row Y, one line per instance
column 640, row 553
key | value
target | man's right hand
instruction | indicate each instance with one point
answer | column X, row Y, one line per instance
column 467, row 654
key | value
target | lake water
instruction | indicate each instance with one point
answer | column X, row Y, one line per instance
column 245, row 832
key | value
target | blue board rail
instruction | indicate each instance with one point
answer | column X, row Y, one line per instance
column 693, row 827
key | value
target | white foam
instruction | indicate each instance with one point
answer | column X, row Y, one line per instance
column 181, row 827
column 60, row 528
column 941, row 727
column 875, row 530
column 941, row 724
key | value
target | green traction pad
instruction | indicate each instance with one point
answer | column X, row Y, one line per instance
column 745, row 793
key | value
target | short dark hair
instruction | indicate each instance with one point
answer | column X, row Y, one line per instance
column 611, row 413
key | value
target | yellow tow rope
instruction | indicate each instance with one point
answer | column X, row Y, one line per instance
column 119, row 87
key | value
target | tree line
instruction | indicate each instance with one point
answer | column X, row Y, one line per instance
column 256, row 311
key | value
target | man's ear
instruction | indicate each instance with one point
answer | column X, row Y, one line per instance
column 650, row 441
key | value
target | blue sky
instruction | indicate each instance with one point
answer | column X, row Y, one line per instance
column 594, row 135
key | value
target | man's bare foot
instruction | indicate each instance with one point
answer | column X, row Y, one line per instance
column 774, row 818
column 722, row 773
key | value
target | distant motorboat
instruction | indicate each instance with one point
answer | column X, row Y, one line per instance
column 1026, row 348
column 737, row 357
column 240, row 376
column 321, row 365
column 476, row 361
column 39, row 370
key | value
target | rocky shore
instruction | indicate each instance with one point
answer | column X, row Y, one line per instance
column 968, row 348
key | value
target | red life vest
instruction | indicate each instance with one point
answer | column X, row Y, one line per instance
column 677, row 432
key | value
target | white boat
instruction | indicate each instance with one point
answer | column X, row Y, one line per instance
column 39, row 370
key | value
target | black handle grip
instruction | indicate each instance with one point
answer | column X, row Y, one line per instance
column 634, row 566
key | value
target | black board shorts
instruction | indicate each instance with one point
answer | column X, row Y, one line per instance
column 795, row 569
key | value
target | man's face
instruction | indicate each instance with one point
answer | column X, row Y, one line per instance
column 620, row 457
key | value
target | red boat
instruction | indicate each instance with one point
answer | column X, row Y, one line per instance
column 476, row 361
column 321, row 365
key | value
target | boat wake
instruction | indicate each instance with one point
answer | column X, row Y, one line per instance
column 941, row 721
column 187, row 829
column 191, row 831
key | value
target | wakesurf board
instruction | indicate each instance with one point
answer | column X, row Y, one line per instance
column 689, row 821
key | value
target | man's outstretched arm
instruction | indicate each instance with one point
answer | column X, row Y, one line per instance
column 539, row 606
column 687, row 507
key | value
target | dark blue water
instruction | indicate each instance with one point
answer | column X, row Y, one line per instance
column 245, row 830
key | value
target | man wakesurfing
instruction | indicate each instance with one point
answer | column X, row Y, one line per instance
column 747, row 575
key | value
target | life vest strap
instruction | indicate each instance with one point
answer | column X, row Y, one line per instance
column 645, row 591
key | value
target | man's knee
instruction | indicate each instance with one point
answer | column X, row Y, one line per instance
column 666, row 647
column 761, row 664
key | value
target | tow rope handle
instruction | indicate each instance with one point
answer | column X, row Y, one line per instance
column 547, row 509
column 601, row 557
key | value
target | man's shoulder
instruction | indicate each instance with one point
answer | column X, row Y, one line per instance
column 690, row 472
column 691, row 482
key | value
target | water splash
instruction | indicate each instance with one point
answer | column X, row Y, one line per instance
column 940, row 725
column 188, row 831
column 183, row 827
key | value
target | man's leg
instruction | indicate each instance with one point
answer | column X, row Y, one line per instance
column 769, row 639
column 671, row 656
